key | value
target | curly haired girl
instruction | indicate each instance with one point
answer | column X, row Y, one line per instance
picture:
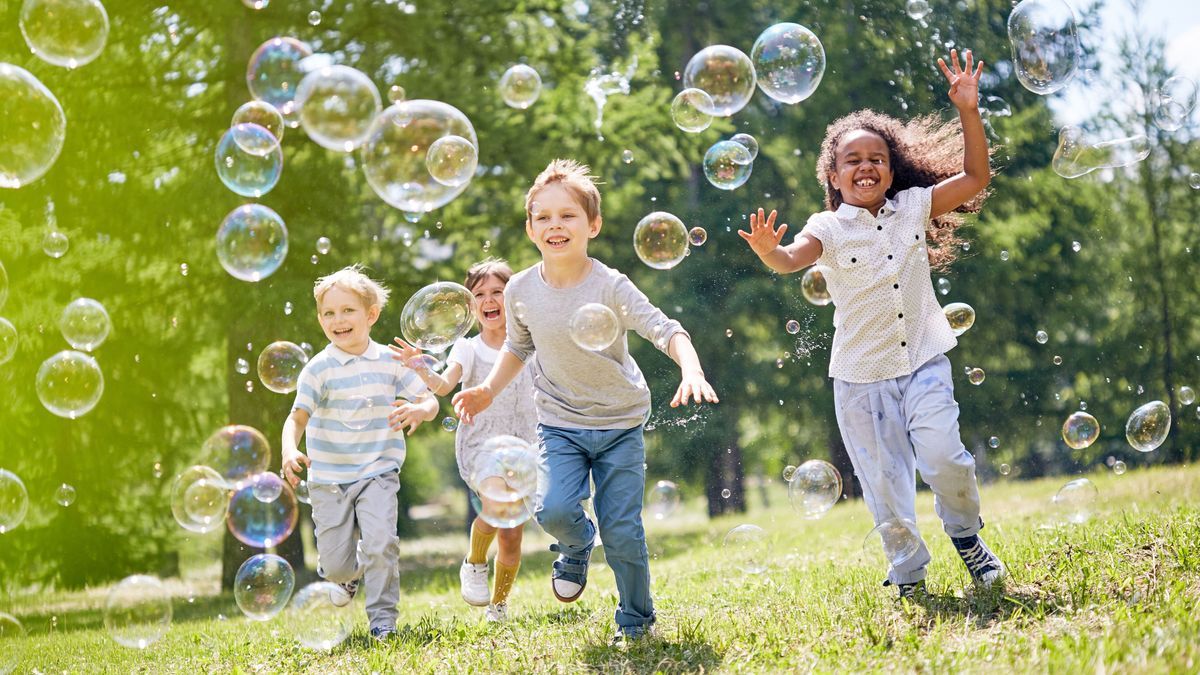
column 890, row 188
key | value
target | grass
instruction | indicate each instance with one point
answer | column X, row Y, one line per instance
column 1116, row 594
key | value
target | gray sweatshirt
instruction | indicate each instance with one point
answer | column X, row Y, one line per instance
column 574, row 387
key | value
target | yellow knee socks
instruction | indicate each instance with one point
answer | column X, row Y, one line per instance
column 480, row 543
column 505, row 576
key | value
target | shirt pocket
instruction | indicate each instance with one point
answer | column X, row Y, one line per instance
column 854, row 265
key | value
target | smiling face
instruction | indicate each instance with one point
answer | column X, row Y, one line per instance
column 489, row 302
column 558, row 225
column 862, row 170
column 346, row 319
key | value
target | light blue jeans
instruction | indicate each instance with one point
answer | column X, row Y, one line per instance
column 615, row 459
column 891, row 429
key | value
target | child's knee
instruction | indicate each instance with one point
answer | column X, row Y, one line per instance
column 555, row 517
column 339, row 571
column 380, row 550
column 628, row 546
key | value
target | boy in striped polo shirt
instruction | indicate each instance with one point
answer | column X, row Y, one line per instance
column 342, row 403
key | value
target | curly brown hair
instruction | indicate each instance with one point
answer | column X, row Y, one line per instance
column 922, row 152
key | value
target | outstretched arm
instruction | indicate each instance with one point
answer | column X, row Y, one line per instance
column 470, row 402
column 691, row 376
column 764, row 241
column 976, row 174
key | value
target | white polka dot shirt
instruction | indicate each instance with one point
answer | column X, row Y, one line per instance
column 886, row 320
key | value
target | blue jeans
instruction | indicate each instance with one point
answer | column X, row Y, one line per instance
column 615, row 458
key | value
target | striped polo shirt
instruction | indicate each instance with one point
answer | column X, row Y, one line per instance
column 348, row 398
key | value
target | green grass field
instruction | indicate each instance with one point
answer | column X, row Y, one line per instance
column 1118, row 593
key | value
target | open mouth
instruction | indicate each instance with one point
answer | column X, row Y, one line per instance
column 866, row 182
column 342, row 331
column 491, row 314
column 557, row 242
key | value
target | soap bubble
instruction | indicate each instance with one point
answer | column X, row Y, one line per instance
column 1076, row 500
column 1041, row 337
column 138, row 611
column 1148, row 426
column 660, row 240
column 68, row 33
column 252, row 242
column 34, row 127
column 976, row 375
column 725, row 494
column 960, row 315
column 236, row 452
column 3, row 285
column 8, row 340
column 814, row 287
column 1118, row 467
column 316, row 622
column 815, row 486
column 55, row 244
column 263, row 115
column 1173, row 102
column 395, row 151
column 725, row 74
column 437, row 315
column 337, row 105
column 1045, row 47
column 256, row 4
column 64, row 495
column 917, row 9
column 12, row 643
column 449, row 424
column 260, row 524
column 452, row 160
column 1005, row 469
column 1080, row 430
column 323, row 245
column 727, row 165
column 199, row 499
column 279, row 366
column 69, row 384
column 247, row 173
column 993, row 442
column 265, row 490
column 263, row 586
column 898, row 538
column 688, row 110
column 14, row 501
column 274, row 71
column 594, row 327
column 505, row 473
column 697, row 236
column 663, row 499
column 1187, row 395
column 396, row 94
column 789, row 61
column 85, row 324
column 359, row 412
column 314, row 18
column 1076, row 156
column 520, row 86
column 748, row 547
column 302, row 494
column 789, row 472
column 749, row 142
column 627, row 156
column 792, row 326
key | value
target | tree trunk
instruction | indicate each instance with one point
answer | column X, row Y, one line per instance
column 725, row 476
column 841, row 461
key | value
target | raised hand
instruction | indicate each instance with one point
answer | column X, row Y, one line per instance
column 964, row 84
column 405, row 416
column 470, row 402
column 763, row 237
column 408, row 354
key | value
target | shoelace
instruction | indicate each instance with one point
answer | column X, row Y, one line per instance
column 978, row 558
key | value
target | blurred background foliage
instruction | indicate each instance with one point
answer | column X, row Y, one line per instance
column 136, row 192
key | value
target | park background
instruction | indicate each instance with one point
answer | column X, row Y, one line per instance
column 1104, row 264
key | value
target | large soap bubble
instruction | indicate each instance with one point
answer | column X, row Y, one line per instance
column 315, row 621
column 688, row 110
column 1148, row 426
column 337, row 105
column 263, row 585
column 138, row 611
column 1076, row 156
column 279, row 366
column 748, row 548
column 34, row 127
column 504, row 473
column 14, row 501
column 261, row 114
column 199, row 499
column 664, row 499
column 789, row 62
column 814, row 488
column 520, row 86
column 660, row 240
column 8, row 340
column 437, row 315
column 394, row 154
column 727, row 165
column 814, row 285
column 1080, row 430
column 85, row 324
column 1076, row 500
column 69, row 384
column 68, row 33
column 898, row 538
column 594, row 327
column 726, row 74
column 1171, row 103
column 12, row 643
column 1045, row 47
column 960, row 315
column 252, row 242
column 237, row 452
column 452, row 160
column 258, row 523
column 253, row 172
column 275, row 71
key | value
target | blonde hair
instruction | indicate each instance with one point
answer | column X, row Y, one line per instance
column 352, row 279
column 492, row 267
column 576, row 178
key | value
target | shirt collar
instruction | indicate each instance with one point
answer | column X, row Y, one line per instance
column 850, row 212
column 373, row 353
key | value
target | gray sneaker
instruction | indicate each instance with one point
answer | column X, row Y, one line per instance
column 344, row 593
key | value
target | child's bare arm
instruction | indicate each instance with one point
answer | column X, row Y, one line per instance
column 691, row 375
column 976, row 174
column 440, row 384
column 410, row 414
column 294, row 461
column 470, row 402
column 764, row 241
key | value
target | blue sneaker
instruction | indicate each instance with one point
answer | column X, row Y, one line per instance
column 909, row 591
column 383, row 633
column 569, row 577
column 985, row 567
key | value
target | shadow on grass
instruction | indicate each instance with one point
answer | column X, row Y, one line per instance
column 985, row 607
column 686, row 651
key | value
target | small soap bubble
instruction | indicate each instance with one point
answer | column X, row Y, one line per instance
column 814, row 287
column 898, row 538
column 236, row 452
column 1118, row 467
column 1080, row 430
column 287, row 308
column 1057, row 360
column 67, row 33
column 747, row 547
column 725, row 493
column 726, row 74
column 594, row 327
column 660, row 240
column 65, row 495
column 199, row 499
column 697, row 236
column 663, row 499
column 452, row 160
column 69, row 384
column 1004, row 255
column 917, row 9
column 813, row 487
column 263, row 115
column 157, row 470
column 183, row 269
column 1194, row 180
column 943, row 286
column 396, row 93
column 749, row 142
column 1075, row 246
column 260, row 524
column 252, row 242
column 437, row 315
column 1187, row 395
column 449, row 424
column 263, row 585
column 279, row 365
column 314, row 18
column 302, row 494
column 960, row 315
column 1148, row 426
column 249, row 160
column 55, row 244
column 792, row 326
column 1042, row 337
column 337, row 107
column 1005, row 469
column 266, row 491
column 993, row 442
column 137, row 612
column 520, row 86
column 85, row 324
column 688, row 110
column 728, row 332
column 727, row 165
column 627, row 156
column 788, row 61
column 242, row 366
column 1076, row 500
column 274, row 71
column 789, row 471
column 976, row 376
column 315, row 621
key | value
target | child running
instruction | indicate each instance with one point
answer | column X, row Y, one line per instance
column 512, row 414
column 889, row 187
column 591, row 405
column 353, row 458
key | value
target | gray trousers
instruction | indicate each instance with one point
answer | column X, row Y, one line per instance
column 355, row 528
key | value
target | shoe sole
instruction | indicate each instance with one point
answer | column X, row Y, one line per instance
column 571, row 598
column 474, row 604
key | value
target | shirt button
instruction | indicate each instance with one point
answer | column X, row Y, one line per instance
column 900, row 315
column 889, row 256
column 903, row 344
column 879, row 227
column 895, row 285
column 854, row 260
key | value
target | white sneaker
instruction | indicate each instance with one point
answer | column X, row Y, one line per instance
column 342, row 594
column 497, row 613
column 473, row 580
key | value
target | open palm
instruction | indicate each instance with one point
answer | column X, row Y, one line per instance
column 964, row 84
